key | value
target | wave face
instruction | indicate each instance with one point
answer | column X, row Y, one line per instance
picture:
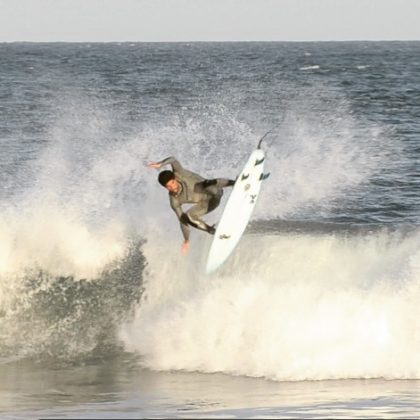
column 323, row 285
column 46, row 316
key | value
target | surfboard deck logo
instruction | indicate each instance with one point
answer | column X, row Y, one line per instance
column 238, row 210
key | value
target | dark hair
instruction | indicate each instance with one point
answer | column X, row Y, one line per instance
column 165, row 177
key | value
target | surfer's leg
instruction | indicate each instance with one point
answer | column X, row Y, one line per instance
column 212, row 186
column 218, row 183
column 224, row 182
column 195, row 212
column 215, row 201
column 199, row 224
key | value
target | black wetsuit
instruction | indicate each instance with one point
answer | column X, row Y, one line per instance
column 205, row 194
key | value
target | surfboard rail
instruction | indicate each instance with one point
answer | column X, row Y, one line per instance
column 238, row 210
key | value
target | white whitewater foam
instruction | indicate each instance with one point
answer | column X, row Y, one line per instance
column 289, row 307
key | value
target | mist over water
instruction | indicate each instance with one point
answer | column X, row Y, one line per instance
column 325, row 283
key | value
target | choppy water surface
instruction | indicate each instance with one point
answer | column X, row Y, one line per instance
column 316, row 312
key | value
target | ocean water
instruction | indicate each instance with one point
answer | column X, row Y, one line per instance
column 314, row 315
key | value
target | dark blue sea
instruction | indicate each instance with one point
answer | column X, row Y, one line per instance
column 314, row 315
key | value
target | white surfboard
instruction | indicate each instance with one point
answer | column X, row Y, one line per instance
column 238, row 211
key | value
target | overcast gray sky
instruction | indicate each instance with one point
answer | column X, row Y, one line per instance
column 208, row 20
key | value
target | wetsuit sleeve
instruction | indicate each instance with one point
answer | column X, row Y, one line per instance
column 176, row 166
column 187, row 176
column 176, row 207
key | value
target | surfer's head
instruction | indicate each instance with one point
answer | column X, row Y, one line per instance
column 167, row 179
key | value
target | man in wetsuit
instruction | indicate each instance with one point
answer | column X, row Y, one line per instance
column 188, row 187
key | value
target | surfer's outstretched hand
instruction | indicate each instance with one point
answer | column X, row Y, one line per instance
column 154, row 165
column 184, row 247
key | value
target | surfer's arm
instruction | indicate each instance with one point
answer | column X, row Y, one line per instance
column 176, row 166
column 189, row 177
column 176, row 207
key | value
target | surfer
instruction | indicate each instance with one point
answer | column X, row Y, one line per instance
column 186, row 187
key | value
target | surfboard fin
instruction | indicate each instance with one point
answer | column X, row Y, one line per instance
column 259, row 161
column 243, row 177
column 264, row 176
